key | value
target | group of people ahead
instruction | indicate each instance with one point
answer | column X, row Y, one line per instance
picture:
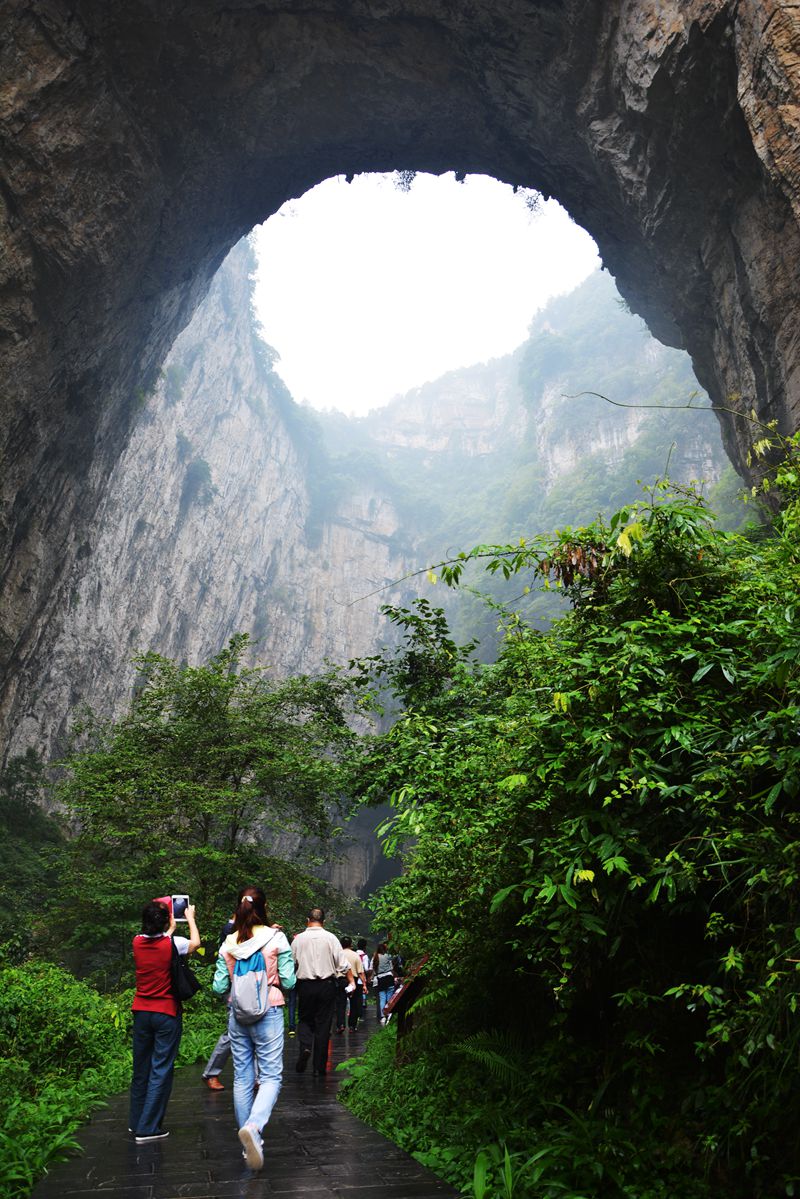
column 257, row 969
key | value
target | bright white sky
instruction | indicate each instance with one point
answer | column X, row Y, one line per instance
column 366, row 291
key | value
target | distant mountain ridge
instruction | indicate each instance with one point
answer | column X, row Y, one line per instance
column 511, row 447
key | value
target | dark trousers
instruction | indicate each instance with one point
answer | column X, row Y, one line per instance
column 156, row 1039
column 291, row 1004
column 356, row 1002
column 316, row 1000
column 341, row 1002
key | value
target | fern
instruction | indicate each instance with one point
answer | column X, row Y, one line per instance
column 500, row 1054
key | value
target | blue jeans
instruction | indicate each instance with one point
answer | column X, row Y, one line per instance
column 156, row 1039
column 384, row 995
column 258, row 1044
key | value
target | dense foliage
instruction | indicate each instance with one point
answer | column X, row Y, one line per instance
column 210, row 769
column 602, row 859
column 63, row 1049
column 214, row 776
column 30, row 845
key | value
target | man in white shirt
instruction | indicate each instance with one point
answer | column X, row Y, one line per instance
column 318, row 957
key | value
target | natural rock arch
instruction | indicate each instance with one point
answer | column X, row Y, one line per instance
column 141, row 140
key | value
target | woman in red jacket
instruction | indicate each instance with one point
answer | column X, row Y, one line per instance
column 156, row 1018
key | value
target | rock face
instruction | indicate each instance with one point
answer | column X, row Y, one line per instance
column 228, row 513
column 468, row 412
column 139, row 141
column 225, row 514
column 207, row 528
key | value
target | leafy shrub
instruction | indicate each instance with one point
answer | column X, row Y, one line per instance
column 66, row 1048
column 602, row 854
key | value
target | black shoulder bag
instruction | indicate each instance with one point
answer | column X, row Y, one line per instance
column 184, row 983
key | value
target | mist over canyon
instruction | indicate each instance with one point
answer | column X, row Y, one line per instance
column 233, row 509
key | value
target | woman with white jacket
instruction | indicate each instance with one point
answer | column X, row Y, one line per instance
column 256, row 1039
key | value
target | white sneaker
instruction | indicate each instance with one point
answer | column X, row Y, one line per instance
column 383, row 1020
column 252, row 1145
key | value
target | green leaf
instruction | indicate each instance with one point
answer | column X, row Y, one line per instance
column 500, row 897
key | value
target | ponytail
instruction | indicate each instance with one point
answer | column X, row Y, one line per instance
column 251, row 909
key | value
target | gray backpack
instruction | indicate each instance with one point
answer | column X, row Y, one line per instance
column 250, row 987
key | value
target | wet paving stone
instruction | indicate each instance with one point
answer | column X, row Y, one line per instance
column 312, row 1146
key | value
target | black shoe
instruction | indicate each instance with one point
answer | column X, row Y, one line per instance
column 154, row 1136
column 302, row 1060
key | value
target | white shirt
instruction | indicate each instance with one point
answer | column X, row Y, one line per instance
column 318, row 954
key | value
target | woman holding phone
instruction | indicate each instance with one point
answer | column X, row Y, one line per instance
column 157, row 1019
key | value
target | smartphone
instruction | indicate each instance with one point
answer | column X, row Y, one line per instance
column 179, row 905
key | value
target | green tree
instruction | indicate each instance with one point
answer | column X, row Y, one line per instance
column 30, row 844
column 602, row 858
column 192, row 789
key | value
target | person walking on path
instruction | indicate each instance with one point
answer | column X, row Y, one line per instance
column 157, row 1019
column 366, row 962
column 318, row 959
column 222, row 1050
column 357, row 996
column 383, row 971
column 265, row 960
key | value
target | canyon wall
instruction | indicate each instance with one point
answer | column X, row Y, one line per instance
column 233, row 509
column 228, row 513
column 140, row 141
column 206, row 529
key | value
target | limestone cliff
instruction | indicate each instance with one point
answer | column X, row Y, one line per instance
column 205, row 531
column 226, row 513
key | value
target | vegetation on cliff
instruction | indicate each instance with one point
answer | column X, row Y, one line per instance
column 197, row 786
column 601, row 856
column 597, row 828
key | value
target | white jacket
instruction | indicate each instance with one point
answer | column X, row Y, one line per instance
column 277, row 956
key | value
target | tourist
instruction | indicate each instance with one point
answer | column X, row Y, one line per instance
column 366, row 962
column 318, row 958
column 222, row 1050
column 340, row 1006
column 384, row 977
column 356, row 996
column 256, row 1045
column 291, row 1007
column 157, row 1018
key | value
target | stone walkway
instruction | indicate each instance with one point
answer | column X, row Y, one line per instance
column 312, row 1146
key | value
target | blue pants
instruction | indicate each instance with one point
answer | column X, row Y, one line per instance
column 291, row 1004
column 156, row 1039
column 385, row 993
column 260, row 1046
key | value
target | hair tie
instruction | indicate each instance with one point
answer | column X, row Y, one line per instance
column 247, row 898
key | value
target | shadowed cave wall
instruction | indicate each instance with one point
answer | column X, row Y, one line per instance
column 139, row 141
